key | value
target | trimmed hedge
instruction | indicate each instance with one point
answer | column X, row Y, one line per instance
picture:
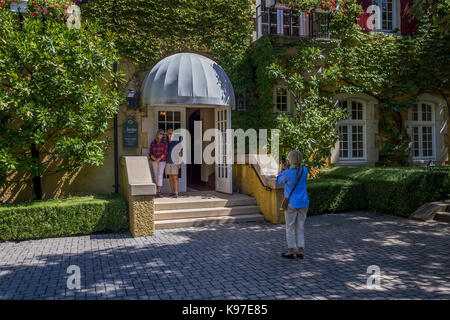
column 399, row 191
column 63, row 217
column 335, row 195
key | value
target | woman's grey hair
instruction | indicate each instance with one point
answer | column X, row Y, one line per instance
column 295, row 158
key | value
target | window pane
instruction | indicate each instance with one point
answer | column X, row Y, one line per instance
column 343, row 145
column 281, row 99
column 357, row 142
column 357, row 111
column 426, row 112
column 286, row 23
column 427, row 141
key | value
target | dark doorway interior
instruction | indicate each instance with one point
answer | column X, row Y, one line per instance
column 194, row 171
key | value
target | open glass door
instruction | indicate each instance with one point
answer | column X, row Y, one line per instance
column 171, row 118
column 224, row 156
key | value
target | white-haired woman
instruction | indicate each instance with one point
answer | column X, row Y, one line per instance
column 294, row 180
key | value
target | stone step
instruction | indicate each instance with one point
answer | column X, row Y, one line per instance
column 204, row 201
column 428, row 210
column 206, row 212
column 181, row 223
column 442, row 216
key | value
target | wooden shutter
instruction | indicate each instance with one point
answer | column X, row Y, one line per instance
column 362, row 18
column 409, row 25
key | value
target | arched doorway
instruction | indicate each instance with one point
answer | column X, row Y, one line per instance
column 191, row 81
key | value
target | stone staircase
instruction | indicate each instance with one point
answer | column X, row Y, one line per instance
column 438, row 211
column 201, row 208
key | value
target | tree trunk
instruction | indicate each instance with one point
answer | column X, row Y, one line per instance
column 37, row 186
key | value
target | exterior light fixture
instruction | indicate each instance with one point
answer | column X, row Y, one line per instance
column 132, row 99
column 240, row 103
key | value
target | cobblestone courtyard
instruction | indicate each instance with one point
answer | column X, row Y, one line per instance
column 238, row 261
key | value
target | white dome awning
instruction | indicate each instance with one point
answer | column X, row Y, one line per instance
column 187, row 78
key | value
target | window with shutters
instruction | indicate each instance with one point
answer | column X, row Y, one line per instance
column 352, row 145
column 291, row 23
column 423, row 131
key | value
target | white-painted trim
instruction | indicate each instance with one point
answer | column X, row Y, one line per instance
column 288, row 99
column 420, row 124
column 396, row 18
column 351, row 122
column 371, row 129
column 183, row 181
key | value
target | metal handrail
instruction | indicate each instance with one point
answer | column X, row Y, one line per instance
column 259, row 177
column 311, row 20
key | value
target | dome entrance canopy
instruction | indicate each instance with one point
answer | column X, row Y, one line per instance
column 187, row 78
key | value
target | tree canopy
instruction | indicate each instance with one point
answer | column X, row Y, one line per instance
column 57, row 92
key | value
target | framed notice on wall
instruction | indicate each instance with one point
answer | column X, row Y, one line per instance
column 130, row 133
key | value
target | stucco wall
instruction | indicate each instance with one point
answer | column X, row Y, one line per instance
column 246, row 181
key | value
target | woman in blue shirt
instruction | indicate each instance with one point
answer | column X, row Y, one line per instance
column 295, row 215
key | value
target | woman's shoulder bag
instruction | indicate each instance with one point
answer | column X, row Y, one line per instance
column 285, row 202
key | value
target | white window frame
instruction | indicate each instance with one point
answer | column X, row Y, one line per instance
column 395, row 10
column 288, row 100
column 420, row 124
column 350, row 123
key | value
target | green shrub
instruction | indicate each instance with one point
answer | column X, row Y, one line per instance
column 398, row 191
column 63, row 217
column 335, row 195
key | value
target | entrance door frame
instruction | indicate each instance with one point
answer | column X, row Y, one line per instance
column 224, row 171
column 224, row 185
column 182, row 186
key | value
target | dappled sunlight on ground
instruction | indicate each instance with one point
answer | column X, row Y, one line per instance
column 238, row 261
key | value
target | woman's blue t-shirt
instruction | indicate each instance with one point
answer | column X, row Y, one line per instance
column 299, row 198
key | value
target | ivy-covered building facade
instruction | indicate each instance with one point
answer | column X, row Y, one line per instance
column 388, row 123
column 396, row 116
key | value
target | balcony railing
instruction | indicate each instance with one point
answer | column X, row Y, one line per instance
column 290, row 23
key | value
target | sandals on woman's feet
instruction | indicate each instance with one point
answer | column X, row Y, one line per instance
column 287, row 255
column 300, row 255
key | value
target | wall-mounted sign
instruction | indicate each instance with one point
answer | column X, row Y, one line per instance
column 130, row 133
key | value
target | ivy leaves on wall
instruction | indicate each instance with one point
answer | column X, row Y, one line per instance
column 149, row 30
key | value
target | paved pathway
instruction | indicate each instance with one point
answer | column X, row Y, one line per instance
column 238, row 261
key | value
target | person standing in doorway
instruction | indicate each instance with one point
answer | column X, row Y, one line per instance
column 158, row 153
column 173, row 165
column 294, row 180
